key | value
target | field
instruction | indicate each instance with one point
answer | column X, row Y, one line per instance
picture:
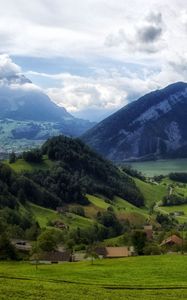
column 143, row 278
column 152, row 193
column 44, row 215
column 21, row 165
column 175, row 208
column 164, row 167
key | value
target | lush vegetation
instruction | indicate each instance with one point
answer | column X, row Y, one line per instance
column 141, row 278
column 86, row 171
column 181, row 177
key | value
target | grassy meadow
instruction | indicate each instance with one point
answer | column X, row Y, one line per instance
column 21, row 165
column 145, row 278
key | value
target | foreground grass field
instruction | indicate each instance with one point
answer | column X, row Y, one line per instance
column 145, row 278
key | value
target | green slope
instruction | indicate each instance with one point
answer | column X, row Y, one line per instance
column 152, row 192
column 21, row 165
column 44, row 215
column 123, row 209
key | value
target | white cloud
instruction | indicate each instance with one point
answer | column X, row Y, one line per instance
column 11, row 78
column 151, row 34
column 78, row 29
column 8, row 67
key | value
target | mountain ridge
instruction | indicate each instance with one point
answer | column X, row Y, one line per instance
column 28, row 116
column 149, row 128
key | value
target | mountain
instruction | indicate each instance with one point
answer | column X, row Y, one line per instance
column 28, row 114
column 152, row 127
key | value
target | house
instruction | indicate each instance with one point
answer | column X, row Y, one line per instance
column 177, row 213
column 59, row 209
column 172, row 240
column 22, row 245
column 52, row 257
column 148, row 229
column 115, row 252
column 59, row 224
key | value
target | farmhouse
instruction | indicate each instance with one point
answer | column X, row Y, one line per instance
column 59, row 224
column 177, row 213
column 52, row 257
column 172, row 240
column 21, row 245
column 115, row 252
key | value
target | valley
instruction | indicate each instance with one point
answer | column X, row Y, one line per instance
column 160, row 167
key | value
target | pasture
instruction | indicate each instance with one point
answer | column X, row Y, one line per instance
column 142, row 278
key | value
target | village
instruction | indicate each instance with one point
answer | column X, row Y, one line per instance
column 172, row 244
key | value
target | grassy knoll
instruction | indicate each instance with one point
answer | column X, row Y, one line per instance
column 158, row 167
column 152, row 193
column 144, row 278
column 122, row 208
column 175, row 208
column 21, row 165
column 44, row 215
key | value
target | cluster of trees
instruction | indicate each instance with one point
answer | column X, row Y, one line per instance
column 167, row 222
column 181, row 177
column 111, row 222
column 174, row 199
column 133, row 172
column 33, row 156
column 83, row 170
column 7, row 250
column 17, row 188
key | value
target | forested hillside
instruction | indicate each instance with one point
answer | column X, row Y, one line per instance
column 72, row 171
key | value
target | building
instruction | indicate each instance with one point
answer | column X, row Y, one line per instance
column 148, row 229
column 177, row 213
column 172, row 240
column 22, row 245
column 115, row 252
column 52, row 257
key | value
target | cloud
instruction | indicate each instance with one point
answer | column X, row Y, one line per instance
column 149, row 34
column 133, row 46
column 8, row 67
column 142, row 37
column 96, row 96
column 11, row 78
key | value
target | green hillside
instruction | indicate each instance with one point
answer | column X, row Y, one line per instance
column 21, row 165
column 153, row 192
column 44, row 216
column 97, row 199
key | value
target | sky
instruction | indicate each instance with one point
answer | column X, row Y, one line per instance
column 94, row 56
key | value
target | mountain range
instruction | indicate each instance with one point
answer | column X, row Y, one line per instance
column 28, row 116
column 152, row 127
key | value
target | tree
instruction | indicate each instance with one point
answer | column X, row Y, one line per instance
column 12, row 158
column 21, row 196
column 36, row 253
column 47, row 241
column 139, row 241
column 91, row 252
column 7, row 250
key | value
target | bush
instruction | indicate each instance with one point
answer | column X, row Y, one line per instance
column 152, row 249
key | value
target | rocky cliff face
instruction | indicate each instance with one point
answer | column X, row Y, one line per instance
column 154, row 126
